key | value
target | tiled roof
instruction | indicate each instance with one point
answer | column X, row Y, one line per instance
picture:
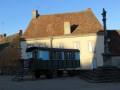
column 114, row 44
column 83, row 22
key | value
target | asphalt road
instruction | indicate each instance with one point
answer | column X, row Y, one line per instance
column 57, row 83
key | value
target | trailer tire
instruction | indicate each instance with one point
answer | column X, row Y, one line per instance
column 59, row 73
column 49, row 74
column 71, row 73
column 37, row 74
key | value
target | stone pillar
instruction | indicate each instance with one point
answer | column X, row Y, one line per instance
column 106, row 54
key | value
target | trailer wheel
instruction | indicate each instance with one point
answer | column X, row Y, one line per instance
column 71, row 73
column 37, row 74
column 59, row 73
column 49, row 74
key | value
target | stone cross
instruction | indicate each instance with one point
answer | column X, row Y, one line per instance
column 106, row 57
column 106, row 50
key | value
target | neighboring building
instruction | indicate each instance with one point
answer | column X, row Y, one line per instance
column 114, row 47
column 9, row 52
column 77, row 30
column 2, row 36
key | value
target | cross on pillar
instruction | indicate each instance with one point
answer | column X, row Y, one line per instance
column 106, row 54
column 106, row 50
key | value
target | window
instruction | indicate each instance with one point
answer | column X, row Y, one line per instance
column 69, row 55
column 60, row 45
column 30, row 45
column 76, row 45
column 51, row 55
column 55, row 55
column 29, row 54
column 42, row 45
column 91, row 46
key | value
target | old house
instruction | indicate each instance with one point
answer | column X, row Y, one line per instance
column 76, row 30
column 114, row 48
column 2, row 36
column 9, row 52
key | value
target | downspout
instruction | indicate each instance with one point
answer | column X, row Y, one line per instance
column 106, row 54
column 51, row 42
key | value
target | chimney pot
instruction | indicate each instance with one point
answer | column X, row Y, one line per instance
column 89, row 9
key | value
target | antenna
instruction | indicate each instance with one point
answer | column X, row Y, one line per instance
column 38, row 1
column 37, row 7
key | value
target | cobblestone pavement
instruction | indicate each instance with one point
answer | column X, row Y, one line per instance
column 57, row 83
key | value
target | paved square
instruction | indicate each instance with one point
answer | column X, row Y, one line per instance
column 57, row 83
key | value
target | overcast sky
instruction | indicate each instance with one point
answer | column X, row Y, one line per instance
column 16, row 14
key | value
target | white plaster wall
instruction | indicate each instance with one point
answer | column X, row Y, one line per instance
column 35, row 43
column 87, row 59
column 23, row 50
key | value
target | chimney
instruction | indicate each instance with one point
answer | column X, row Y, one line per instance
column 34, row 14
column 89, row 9
column 1, row 36
column 67, row 28
column 4, row 35
column 20, row 32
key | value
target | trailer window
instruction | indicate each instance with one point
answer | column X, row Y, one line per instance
column 69, row 55
column 29, row 54
column 54, row 55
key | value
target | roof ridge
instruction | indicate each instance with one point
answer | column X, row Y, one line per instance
column 8, row 38
column 53, row 24
column 89, row 9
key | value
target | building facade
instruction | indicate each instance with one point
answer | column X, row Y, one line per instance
column 9, row 52
column 74, row 30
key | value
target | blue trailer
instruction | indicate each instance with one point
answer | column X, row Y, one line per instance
column 50, row 60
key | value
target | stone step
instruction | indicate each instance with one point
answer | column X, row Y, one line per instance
column 102, row 75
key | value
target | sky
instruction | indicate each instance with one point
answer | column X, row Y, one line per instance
column 15, row 15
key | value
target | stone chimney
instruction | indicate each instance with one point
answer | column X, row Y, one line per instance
column 67, row 28
column 1, row 36
column 35, row 14
column 88, row 9
column 20, row 32
column 5, row 35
